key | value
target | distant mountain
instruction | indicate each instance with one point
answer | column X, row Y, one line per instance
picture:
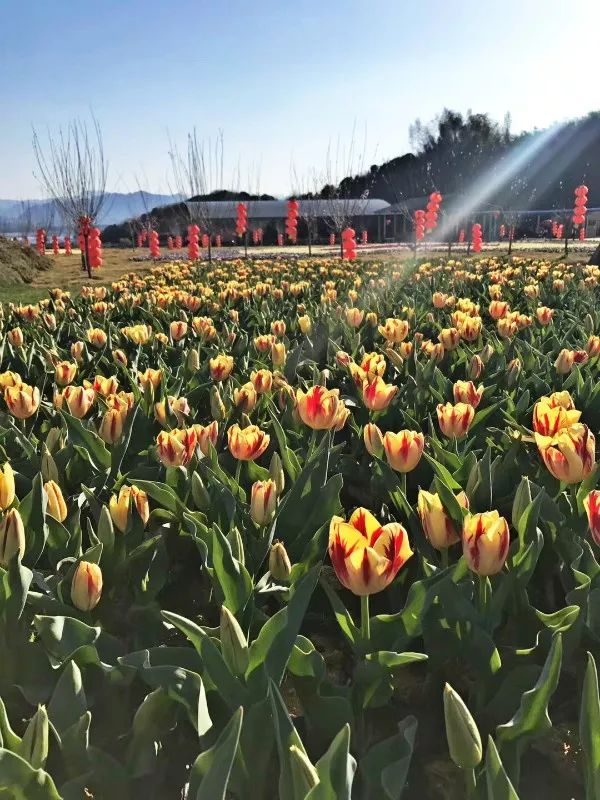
column 117, row 207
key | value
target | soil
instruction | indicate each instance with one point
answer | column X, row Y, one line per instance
column 20, row 264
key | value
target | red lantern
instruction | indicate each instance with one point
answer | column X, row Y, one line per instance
column 419, row 224
column 364, row 237
column 94, row 247
column 55, row 247
column 68, row 247
column 349, row 244
column 431, row 215
column 218, row 240
column 461, row 236
column 291, row 222
column 169, row 242
column 40, row 241
column 476, row 237
column 280, row 240
column 332, row 239
column 580, row 208
column 193, row 247
column 178, row 242
column 582, row 233
column 154, row 244
column 242, row 219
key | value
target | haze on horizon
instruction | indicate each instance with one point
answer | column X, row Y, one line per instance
column 282, row 82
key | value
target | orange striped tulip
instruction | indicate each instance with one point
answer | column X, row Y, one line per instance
column 176, row 447
column 403, row 450
column 318, row 408
column 377, row 395
column 86, row 586
column 455, row 420
column 437, row 524
column 206, row 434
column 485, row 542
column 466, row 392
column 247, row 444
column 570, row 455
column 22, row 401
column 592, row 509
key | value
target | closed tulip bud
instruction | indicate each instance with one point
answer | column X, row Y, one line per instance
column 86, row 586
column 64, row 372
column 371, row 319
column 373, row 439
column 513, row 372
column 592, row 509
column 277, row 474
column 588, row 323
column 22, row 401
column 498, row 309
column 97, row 337
column 564, row 362
column 305, row 325
column 406, row 349
column 245, row 397
column 464, row 741
column 304, row 775
column 34, row 744
column 437, row 525
column 111, row 426
column 178, row 330
column 12, row 537
column 77, row 351
column 151, row 378
column 403, row 450
column 220, row 367
column 57, row 507
column 200, row 495
column 193, row 360
column 455, row 420
column 54, row 439
column 234, row 646
column 278, row 354
column 449, row 338
column 176, row 448
column 475, row 367
column 485, row 542
column 7, row 486
column 234, row 537
column 278, row 328
column 15, row 337
column 570, row 455
column 263, row 502
column 217, row 407
column 280, row 566
column 119, row 357
column 342, row 358
column 395, row 358
column 486, row 353
column 593, row 346
column 367, row 556
column 105, row 386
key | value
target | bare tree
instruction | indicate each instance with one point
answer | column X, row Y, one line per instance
column 25, row 221
column 73, row 171
column 306, row 190
column 198, row 173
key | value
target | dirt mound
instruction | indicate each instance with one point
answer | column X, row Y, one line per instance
column 20, row 264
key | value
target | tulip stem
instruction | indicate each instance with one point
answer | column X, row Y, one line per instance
column 470, row 782
column 403, row 484
column 365, row 619
column 445, row 557
column 238, row 471
column 482, row 595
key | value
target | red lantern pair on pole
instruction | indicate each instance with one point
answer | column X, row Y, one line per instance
column 154, row 244
column 193, row 246
column 280, row 240
column 349, row 244
column 55, row 245
column 580, row 210
column 68, row 247
column 242, row 219
column 364, row 237
column 170, row 243
column 433, row 207
column 94, row 248
column 178, row 242
column 419, row 224
column 502, row 231
column 40, row 241
column 291, row 222
column 476, row 237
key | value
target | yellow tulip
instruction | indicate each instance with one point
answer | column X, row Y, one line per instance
column 485, row 542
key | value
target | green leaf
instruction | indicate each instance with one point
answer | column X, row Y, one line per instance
column 589, row 730
column 498, row 783
column 32, row 509
column 23, row 781
column 8, row 738
column 342, row 615
column 209, row 776
column 288, row 457
column 390, row 660
column 164, row 495
column 80, row 436
column 68, row 701
column 286, row 737
column 232, row 576
column 16, row 581
column 336, row 770
column 385, row 766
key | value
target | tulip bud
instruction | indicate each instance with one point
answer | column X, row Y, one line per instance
column 234, row 537
column 217, row 407
column 86, row 586
column 7, row 486
column 305, row 777
column 276, row 472
column 263, row 501
column 193, row 360
column 588, row 323
column 111, row 427
column 486, row 540
column 564, row 362
column 395, row 358
column 34, row 744
column 475, row 367
column 57, row 508
column 119, row 357
column 373, row 439
column 48, row 469
column 54, row 439
column 513, row 372
column 12, row 537
column 200, row 495
column 234, row 646
column 464, row 742
column 486, row 353
column 280, row 566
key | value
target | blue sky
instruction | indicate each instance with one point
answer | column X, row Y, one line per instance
column 281, row 79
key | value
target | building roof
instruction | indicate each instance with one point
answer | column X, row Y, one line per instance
column 277, row 209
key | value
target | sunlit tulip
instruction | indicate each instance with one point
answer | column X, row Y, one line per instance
column 22, row 401
column 56, row 507
column 263, row 501
column 455, row 420
column 7, row 486
column 15, row 337
column 532, row 290
column 262, row 380
column 206, row 434
column 280, row 566
column 119, row 357
column 220, row 367
column 64, row 373
column 470, row 328
column 278, row 354
column 77, row 351
column 318, row 407
column 564, row 362
column 263, row 343
column 437, row 524
column 245, row 397
column 569, row 455
column 373, row 364
column 77, row 399
column 403, row 450
column 305, row 325
column 341, row 417
column 551, row 414
column 371, row 319
column 394, row 330
column 12, row 537
column 377, row 395
column 150, row 378
column 433, row 350
column 129, row 497
column 544, row 315
column 373, row 439
column 485, row 542
column 449, row 338
column 439, row 299
column 278, row 328
column 111, row 426
column 177, row 406
column 405, row 349
column 176, row 448
column 342, row 358
column 178, row 330
column 467, row 392
column 367, row 556
column 498, row 309
column 97, row 337
column 592, row 509
column 247, row 444
column 593, row 346
column 507, row 327
column 354, row 317
column 9, row 378
column 138, row 334
column 86, row 586
column 105, row 386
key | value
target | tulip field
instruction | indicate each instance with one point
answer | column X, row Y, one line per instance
column 303, row 529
